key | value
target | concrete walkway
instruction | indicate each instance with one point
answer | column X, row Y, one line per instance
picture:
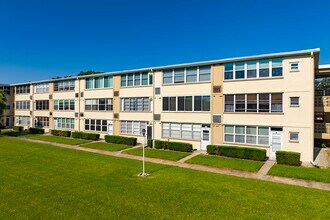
column 266, row 167
column 261, row 175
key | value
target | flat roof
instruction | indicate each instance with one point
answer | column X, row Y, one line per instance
column 202, row 63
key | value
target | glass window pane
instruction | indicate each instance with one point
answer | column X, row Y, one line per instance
column 252, row 103
column 239, row 71
column 178, row 75
column 188, row 103
column 137, row 79
column 229, row 129
column 277, row 102
column 130, row 79
column 172, row 103
column 165, row 103
column 263, row 102
column 123, row 80
column 240, row 103
column 144, row 79
column 181, row 103
column 229, row 103
column 191, row 74
column 198, row 103
column 167, row 76
column 206, row 103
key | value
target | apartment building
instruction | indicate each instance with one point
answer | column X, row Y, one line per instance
column 7, row 120
column 263, row 101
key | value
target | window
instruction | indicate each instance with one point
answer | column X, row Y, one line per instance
column 240, row 103
column 294, row 66
column 42, row 105
column 187, row 75
column 186, row 103
column 252, row 103
column 132, row 127
column 135, row 104
column 229, row 103
column 23, row 120
column 253, row 69
column 294, row 101
column 96, row 125
column 277, row 67
column 229, row 70
column 277, row 102
column 40, row 122
column 136, row 79
column 64, row 104
column 6, row 89
column 294, row 136
column 98, row 104
column 23, row 105
column 67, row 123
column 42, row 88
column 100, row 82
column 23, row 89
column 66, row 85
column 263, row 102
column 181, row 131
column 246, row 134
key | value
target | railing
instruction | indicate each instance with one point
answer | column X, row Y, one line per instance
column 322, row 101
column 322, row 128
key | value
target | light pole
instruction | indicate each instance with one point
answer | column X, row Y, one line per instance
column 143, row 174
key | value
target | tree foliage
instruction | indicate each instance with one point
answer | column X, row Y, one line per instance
column 321, row 84
column 2, row 103
column 88, row 72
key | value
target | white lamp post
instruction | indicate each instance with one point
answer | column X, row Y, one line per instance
column 144, row 174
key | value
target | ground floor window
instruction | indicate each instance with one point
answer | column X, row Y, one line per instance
column 96, row 125
column 67, row 123
column 23, row 120
column 181, row 130
column 40, row 122
column 242, row 134
column 132, row 127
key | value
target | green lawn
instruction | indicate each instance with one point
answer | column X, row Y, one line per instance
column 106, row 146
column 317, row 174
column 45, row 182
column 155, row 153
column 223, row 162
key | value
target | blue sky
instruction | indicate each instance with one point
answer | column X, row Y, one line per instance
column 44, row 39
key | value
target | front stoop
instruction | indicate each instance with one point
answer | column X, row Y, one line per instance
column 322, row 159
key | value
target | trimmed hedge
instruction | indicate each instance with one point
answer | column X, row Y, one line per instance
column 176, row 146
column 237, row 152
column 116, row 139
column 288, row 158
column 85, row 135
column 150, row 143
column 18, row 128
column 61, row 133
column 36, row 131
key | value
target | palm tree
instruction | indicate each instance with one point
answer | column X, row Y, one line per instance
column 2, row 104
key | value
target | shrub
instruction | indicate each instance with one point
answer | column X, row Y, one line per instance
column 180, row 146
column 237, row 152
column 36, row 131
column 65, row 133
column 161, row 144
column 55, row 132
column 116, row 139
column 150, row 143
column 18, row 128
column 288, row 158
column 85, row 135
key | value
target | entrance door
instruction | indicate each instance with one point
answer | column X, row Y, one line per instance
column 110, row 127
column 55, row 123
column 149, row 132
column 205, row 137
column 275, row 143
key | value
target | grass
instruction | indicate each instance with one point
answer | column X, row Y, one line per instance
column 223, row 162
column 49, row 138
column 312, row 173
column 106, row 146
column 161, row 154
column 45, row 182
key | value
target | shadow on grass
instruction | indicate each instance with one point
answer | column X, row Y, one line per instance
column 14, row 133
column 159, row 169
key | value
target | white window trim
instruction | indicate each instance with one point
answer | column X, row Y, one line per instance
column 245, row 126
column 294, row 132
column 294, row 105
column 298, row 66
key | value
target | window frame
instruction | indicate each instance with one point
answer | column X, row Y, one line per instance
column 291, row 139
column 257, row 135
column 295, row 104
column 295, row 69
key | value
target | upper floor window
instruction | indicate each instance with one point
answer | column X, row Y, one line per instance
column 23, row 105
column 98, row 104
column 41, row 88
column 67, row 104
column 23, row 89
column 294, row 136
column 253, row 69
column 6, row 89
column 294, row 66
column 264, row 102
column 294, row 101
column 135, row 104
column 65, row 85
column 99, row 82
column 186, row 103
column 136, row 79
column 42, row 105
column 187, row 75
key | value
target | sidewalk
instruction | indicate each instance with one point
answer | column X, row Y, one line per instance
column 261, row 175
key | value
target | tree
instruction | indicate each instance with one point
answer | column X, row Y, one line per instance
column 322, row 84
column 2, row 104
column 88, row 72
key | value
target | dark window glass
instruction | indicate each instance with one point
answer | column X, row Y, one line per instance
column 240, row 103
column 188, row 103
column 263, row 102
column 181, row 103
column 172, row 103
column 206, row 103
column 252, row 103
column 198, row 103
column 165, row 103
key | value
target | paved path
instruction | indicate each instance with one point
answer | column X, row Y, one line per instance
column 188, row 157
column 266, row 167
column 238, row 173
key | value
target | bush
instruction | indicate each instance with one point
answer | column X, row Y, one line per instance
column 55, row 132
column 150, row 143
column 36, row 131
column 61, row 133
column 85, row 135
column 180, row 146
column 116, row 139
column 161, row 144
column 288, row 158
column 18, row 128
column 237, row 152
